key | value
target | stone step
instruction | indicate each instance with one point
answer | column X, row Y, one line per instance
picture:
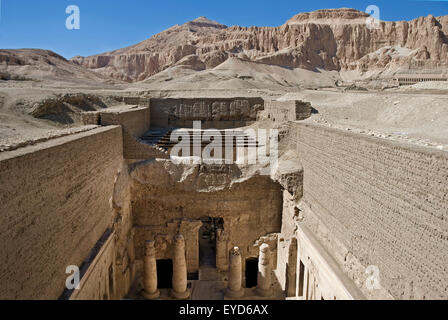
column 205, row 144
column 207, row 273
column 208, row 290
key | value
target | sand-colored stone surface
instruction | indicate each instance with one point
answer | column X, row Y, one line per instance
column 327, row 39
column 352, row 205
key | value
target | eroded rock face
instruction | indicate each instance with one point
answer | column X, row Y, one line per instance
column 169, row 199
column 337, row 39
column 189, row 178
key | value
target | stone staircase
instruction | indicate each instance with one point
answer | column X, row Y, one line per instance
column 160, row 139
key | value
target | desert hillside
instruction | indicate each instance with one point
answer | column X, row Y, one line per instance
column 332, row 39
column 329, row 58
column 44, row 65
column 235, row 73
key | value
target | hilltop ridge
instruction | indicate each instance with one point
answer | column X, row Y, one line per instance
column 330, row 39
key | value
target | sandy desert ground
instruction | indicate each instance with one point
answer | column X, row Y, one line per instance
column 416, row 114
column 42, row 94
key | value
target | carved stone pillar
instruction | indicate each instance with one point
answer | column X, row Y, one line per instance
column 264, row 288
column 150, row 272
column 291, row 270
column 221, row 250
column 179, row 290
column 234, row 288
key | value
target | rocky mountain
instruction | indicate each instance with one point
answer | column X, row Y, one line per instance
column 331, row 39
column 45, row 65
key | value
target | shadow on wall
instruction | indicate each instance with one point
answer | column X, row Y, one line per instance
column 251, row 280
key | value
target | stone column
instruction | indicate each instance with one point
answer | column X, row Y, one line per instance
column 291, row 269
column 264, row 288
column 221, row 250
column 179, row 290
column 305, row 283
column 234, row 288
column 150, row 272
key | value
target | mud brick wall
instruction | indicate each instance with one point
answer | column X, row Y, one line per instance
column 282, row 111
column 137, row 150
column 97, row 283
column 385, row 202
column 54, row 207
column 218, row 113
column 135, row 122
column 91, row 118
column 144, row 102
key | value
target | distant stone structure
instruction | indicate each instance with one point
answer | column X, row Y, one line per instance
column 413, row 76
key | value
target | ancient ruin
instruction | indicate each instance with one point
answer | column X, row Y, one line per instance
column 156, row 229
column 231, row 195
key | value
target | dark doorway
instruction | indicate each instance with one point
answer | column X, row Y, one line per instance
column 207, row 240
column 301, row 278
column 111, row 281
column 251, row 272
column 165, row 274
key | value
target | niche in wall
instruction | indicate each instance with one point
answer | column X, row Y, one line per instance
column 251, row 272
column 165, row 274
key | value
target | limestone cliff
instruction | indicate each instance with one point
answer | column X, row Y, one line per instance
column 333, row 39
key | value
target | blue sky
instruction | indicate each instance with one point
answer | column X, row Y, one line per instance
column 111, row 24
